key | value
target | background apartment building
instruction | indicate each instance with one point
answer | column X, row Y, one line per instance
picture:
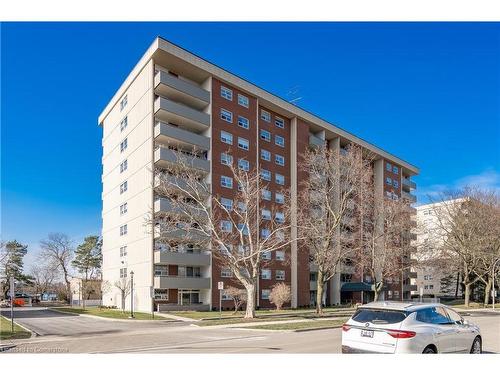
column 175, row 102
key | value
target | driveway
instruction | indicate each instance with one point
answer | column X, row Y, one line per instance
column 45, row 322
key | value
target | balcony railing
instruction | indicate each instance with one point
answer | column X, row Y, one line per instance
column 182, row 259
column 165, row 205
column 174, row 135
column 165, row 157
column 412, row 198
column 408, row 183
column 315, row 141
column 181, row 91
column 181, row 282
column 177, row 113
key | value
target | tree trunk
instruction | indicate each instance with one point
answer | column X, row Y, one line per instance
column 467, row 294
column 458, row 285
column 123, row 301
column 250, row 309
column 376, row 291
column 487, row 292
column 320, row 282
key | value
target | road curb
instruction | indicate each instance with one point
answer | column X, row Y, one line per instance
column 112, row 319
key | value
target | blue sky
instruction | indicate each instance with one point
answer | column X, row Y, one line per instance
column 427, row 92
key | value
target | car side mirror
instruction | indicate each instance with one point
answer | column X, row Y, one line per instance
column 465, row 322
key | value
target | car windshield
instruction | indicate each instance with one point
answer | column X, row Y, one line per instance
column 379, row 316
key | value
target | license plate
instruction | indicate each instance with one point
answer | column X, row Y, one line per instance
column 366, row 333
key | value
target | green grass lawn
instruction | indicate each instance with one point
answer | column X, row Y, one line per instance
column 108, row 313
column 312, row 324
column 259, row 313
column 235, row 320
column 459, row 304
column 6, row 333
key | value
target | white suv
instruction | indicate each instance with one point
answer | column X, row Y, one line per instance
column 398, row 327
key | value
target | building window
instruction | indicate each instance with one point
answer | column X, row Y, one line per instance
column 265, row 155
column 265, row 274
column 280, row 179
column 226, row 137
column 280, row 275
column 123, row 208
column 266, row 255
column 388, row 181
column 226, row 93
column 123, row 123
column 226, row 272
column 242, row 207
column 226, row 226
column 388, row 167
column 279, row 140
column 244, row 164
column 243, row 100
column 279, row 198
column 227, row 203
column 226, row 182
column 264, row 233
column 123, row 273
column 123, row 187
column 266, row 195
column 396, row 294
column 264, row 115
column 123, row 166
column 123, row 102
column 279, row 122
column 243, row 143
column 395, row 170
column 226, row 115
column 123, row 145
column 395, row 183
column 123, row 251
column 243, row 229
column 266, row 214
column 265, row 135
column 226, row 249
column 265, row 175
column 226, row 159
column 279, row 217
column 265, row 293
column 280, row 255
column 123, row 230
column 243, row 122
column 161, row 294
column 431, row 286
column 279, row 159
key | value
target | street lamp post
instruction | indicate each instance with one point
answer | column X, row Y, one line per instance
column 494, row 290
column 131, row 294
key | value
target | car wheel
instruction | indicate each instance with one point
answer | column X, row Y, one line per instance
column 476, row 346
column 429, row 350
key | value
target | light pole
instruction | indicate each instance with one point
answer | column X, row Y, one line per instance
column 494, row 290
column 131, row 294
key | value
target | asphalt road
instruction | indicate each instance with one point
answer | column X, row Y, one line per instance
column 74, row 334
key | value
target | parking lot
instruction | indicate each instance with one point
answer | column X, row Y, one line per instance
column 60, row 332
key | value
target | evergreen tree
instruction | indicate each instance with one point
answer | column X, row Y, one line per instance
column 11, row 264
column 88, row 261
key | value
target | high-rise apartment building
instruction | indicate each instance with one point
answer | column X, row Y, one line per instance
column 171, row 102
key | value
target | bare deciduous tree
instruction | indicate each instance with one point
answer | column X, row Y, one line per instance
column 329, row 198
column 43, row 275
column 280, row 294
column 123, row 285
column 239, row 297
column 58, row 250
column 466, row 235
column 237, row 231
column 385, row 234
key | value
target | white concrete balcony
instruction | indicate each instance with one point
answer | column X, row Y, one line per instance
column 168, row 110
column 315, row 141
column 408, row 183
column 202, row 188
column 181, row 282
column 182, row 258
column 166, row 158
column 412, row 198
column 181, row 235
column 181, row 90
column 168, row 134
column 165, row 205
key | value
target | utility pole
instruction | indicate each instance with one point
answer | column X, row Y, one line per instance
column 12, row 295
column 494, row 290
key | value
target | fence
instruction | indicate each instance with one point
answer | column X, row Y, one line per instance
column 88, row 302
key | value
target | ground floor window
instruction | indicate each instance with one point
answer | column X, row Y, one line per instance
column 188, row 297
column 161, row 294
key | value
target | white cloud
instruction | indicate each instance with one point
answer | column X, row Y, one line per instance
column 487, row 180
